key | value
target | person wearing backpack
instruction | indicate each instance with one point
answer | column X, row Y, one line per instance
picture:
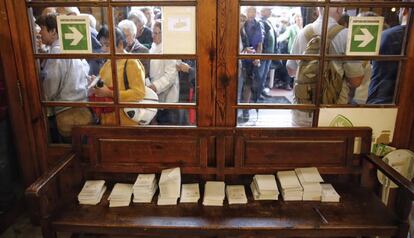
column 339, row 76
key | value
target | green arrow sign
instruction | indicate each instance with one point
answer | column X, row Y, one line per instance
column 364, row 35
column 74, row 34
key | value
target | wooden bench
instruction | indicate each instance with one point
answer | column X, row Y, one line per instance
column 230, row 154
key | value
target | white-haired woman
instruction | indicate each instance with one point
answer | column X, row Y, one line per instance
column 144, row 34
column 133, row 45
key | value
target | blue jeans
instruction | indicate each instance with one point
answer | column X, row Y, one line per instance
column 259, row 84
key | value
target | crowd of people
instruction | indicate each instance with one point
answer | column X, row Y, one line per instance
column 70, row 79
column 344, row 82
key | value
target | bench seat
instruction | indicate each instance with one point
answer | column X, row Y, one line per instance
column 359, row 212
column 222, row 154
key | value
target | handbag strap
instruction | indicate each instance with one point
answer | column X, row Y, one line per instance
column 126, row 83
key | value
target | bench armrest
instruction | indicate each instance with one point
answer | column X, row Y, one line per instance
column 392, row 174
column 55, row 188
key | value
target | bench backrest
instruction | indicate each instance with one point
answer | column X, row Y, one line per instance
column 219, row 151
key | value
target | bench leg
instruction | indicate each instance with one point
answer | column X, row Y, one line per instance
column 47, row 230
column 403, row 231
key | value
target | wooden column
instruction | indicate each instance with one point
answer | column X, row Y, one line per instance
column 227, row 46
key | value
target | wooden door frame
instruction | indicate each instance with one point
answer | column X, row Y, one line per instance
column 17, row 96
column 22, row 38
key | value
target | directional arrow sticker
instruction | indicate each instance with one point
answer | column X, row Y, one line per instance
column 364, row 35
column 74, row 34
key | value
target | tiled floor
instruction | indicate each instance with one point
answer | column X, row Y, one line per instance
column 22, row 228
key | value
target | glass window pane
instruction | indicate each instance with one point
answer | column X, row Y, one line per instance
column 382, row 83
column 45, row 29
column 67, row 79
column 171, row 81
column 61, row 120
column 392, row 36
column 157, row 30
column 381, row 0
column 154, row 116
column 274, row 82
column 273, row 29
column 365, row 82
column 269, row 83
column 274, row 118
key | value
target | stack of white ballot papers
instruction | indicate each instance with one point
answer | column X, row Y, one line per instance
column 310, row 180
column 236, row 194
column 170, row 186
column 120, row 195
column 264, row 187
column 190, row 193
column 92, row 192
column 214, row 193
column 329, row 194
column 290, row 185
column 144, row 188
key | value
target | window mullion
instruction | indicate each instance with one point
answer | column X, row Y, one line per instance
column 322, row 64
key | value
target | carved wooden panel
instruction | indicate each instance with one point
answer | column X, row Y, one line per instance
column 288, row 152
column 144, row 151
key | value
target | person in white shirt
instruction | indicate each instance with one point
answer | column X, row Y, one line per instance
column 163, row 78
column 62, row 80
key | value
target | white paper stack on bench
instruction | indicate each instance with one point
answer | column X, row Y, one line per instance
column 290, row 185
column 92, row 192
column 190, row 193
column 236, row 194
column 329, row 194
column 120, row 195
column 264, row 187
column 214, row 193
column 310, row 180
column 170, row 186
column 144, row 188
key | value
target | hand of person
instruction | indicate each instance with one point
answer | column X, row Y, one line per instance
column 249, row 50
column 183, row 67
column 256, row 63
column 104, row 91
column 90, row 78
column 153, row 87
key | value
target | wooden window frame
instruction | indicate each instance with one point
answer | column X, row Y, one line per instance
column 113, row 56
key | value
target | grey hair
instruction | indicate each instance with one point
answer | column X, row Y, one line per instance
column 138, row 15
column 128, row 25
column 68, row 10
column 92, row 20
